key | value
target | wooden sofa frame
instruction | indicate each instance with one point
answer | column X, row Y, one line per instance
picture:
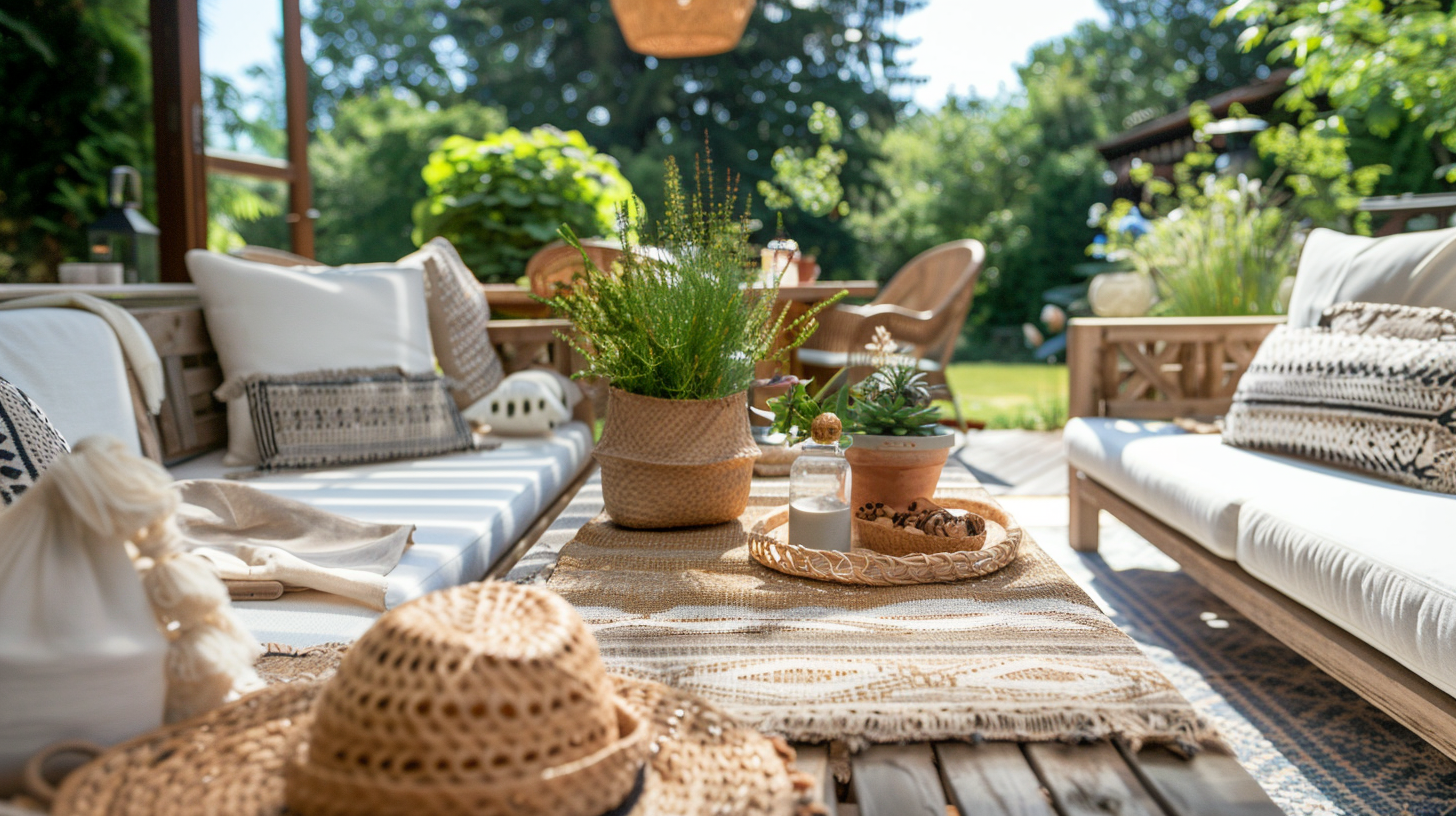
column 1164, row 368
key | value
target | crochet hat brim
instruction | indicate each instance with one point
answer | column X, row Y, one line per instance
column 231, row 761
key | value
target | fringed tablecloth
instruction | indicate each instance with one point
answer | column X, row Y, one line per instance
column 1023, row 654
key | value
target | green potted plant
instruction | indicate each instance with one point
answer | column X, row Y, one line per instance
column 677, row 332
column 897, row 446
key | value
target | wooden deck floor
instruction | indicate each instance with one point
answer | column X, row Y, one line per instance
column 1017, row 463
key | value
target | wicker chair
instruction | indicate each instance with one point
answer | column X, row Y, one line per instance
column 558, row 262
column 924, row 306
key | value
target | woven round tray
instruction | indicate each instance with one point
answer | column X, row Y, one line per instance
column 769, row 546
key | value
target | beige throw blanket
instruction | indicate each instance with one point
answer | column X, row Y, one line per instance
column 1022, row 654
column 251, row 535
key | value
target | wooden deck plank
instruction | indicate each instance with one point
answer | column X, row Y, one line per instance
column 897, row 780
column 1210, row 784
column 813, row 760
column 991, row 779
column 1090, row 780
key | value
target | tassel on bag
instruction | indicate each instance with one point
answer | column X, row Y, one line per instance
column 127, row 498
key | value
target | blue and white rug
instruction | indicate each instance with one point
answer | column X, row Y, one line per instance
column 1314, row 745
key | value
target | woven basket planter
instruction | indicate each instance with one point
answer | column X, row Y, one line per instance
column 896, row 470
column 682, row 28
column 675, row 463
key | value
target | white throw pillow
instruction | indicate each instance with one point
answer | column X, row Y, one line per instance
column 277, row 320
column 1413, row 269
column 527, row 403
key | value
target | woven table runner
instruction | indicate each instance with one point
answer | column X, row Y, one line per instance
column 1022, row 654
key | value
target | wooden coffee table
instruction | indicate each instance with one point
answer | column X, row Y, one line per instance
column 936, row 779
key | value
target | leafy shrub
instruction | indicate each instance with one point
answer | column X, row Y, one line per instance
column 1223, row 251
column 76, row 103
column 366, row 170
column 684, row 323
column 500, row 199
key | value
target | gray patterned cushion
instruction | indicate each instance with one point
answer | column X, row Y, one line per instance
column 1390, row 320
column 331, row 418
column 458, row 322
column 28, row 442
column 1384, row 405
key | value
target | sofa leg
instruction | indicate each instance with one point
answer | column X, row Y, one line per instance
column 1083, row 514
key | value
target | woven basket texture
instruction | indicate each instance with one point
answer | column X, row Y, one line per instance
column 675, row 463
column 864, row 567
column 483, row 699
column 896, row 541
column 776, row 460
column 682, row 28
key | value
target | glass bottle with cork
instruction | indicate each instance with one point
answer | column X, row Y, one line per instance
column 819, row 508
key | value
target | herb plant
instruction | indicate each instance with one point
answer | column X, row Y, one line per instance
column 682, row 321
column 794, row 411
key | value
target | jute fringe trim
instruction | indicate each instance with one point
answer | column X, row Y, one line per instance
column 1184, row 732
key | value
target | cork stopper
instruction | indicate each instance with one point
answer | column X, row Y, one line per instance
column 825, row 429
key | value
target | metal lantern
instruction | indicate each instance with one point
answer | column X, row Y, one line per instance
column 123, row 235
column 682, row 28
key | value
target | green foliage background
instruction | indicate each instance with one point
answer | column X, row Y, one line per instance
column 501, row 198
column 76, row 82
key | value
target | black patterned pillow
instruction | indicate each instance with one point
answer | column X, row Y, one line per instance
column 1385, row 405
column 331, row 418
column 28, row 442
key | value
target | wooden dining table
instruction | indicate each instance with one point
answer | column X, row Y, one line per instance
column 514, row 300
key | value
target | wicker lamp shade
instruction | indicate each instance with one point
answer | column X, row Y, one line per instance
column 682, row 28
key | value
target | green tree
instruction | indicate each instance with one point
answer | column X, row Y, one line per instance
column 1382, row 63
column 565, row 64
column 77, row 102
column 366, row 170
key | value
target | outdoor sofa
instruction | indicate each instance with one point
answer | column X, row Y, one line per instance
column 471, row 510
column 1355, row 573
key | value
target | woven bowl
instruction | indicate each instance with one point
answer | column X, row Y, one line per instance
column 896, row 541
column 864, row 567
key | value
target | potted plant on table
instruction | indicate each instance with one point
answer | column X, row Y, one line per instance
column 897, row 445
column 677, row 332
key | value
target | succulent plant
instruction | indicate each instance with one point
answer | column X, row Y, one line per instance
column 894, row 401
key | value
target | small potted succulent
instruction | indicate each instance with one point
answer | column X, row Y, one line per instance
column 677, row 333
column 897, row 445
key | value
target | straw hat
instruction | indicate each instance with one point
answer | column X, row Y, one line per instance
column 483, row 699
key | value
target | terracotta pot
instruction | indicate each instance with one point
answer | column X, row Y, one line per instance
column 675, row 463
column 896, row 470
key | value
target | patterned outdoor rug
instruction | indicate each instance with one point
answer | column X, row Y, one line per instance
column 1021, row 654
column 1314, row 745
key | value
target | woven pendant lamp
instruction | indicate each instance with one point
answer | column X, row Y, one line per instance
column 682, row 28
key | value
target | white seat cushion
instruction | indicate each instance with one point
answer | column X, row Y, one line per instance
column 824, row 358
column 1192, row 482
column 469, row 508
column 1372, row 557
column 70, row 364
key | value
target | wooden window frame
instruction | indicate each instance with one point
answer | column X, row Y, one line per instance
column 182, row 159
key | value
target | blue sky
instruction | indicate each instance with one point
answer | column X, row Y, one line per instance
column 963, row 44
column 977, row 43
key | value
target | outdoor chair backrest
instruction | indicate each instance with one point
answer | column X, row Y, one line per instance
column 558, row 262
column 941, row 280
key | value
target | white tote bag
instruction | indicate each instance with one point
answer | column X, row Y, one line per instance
column 89, row 648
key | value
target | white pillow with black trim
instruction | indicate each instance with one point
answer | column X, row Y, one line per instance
column 274, row 320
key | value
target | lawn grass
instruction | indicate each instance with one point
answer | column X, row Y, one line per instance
column 1010, row 395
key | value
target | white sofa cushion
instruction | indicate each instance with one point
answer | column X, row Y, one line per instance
column 1192, row 482
column 1416, row 269
column 70, row 364
column 468, row 508
column 267, row 319
column 1374, row 558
